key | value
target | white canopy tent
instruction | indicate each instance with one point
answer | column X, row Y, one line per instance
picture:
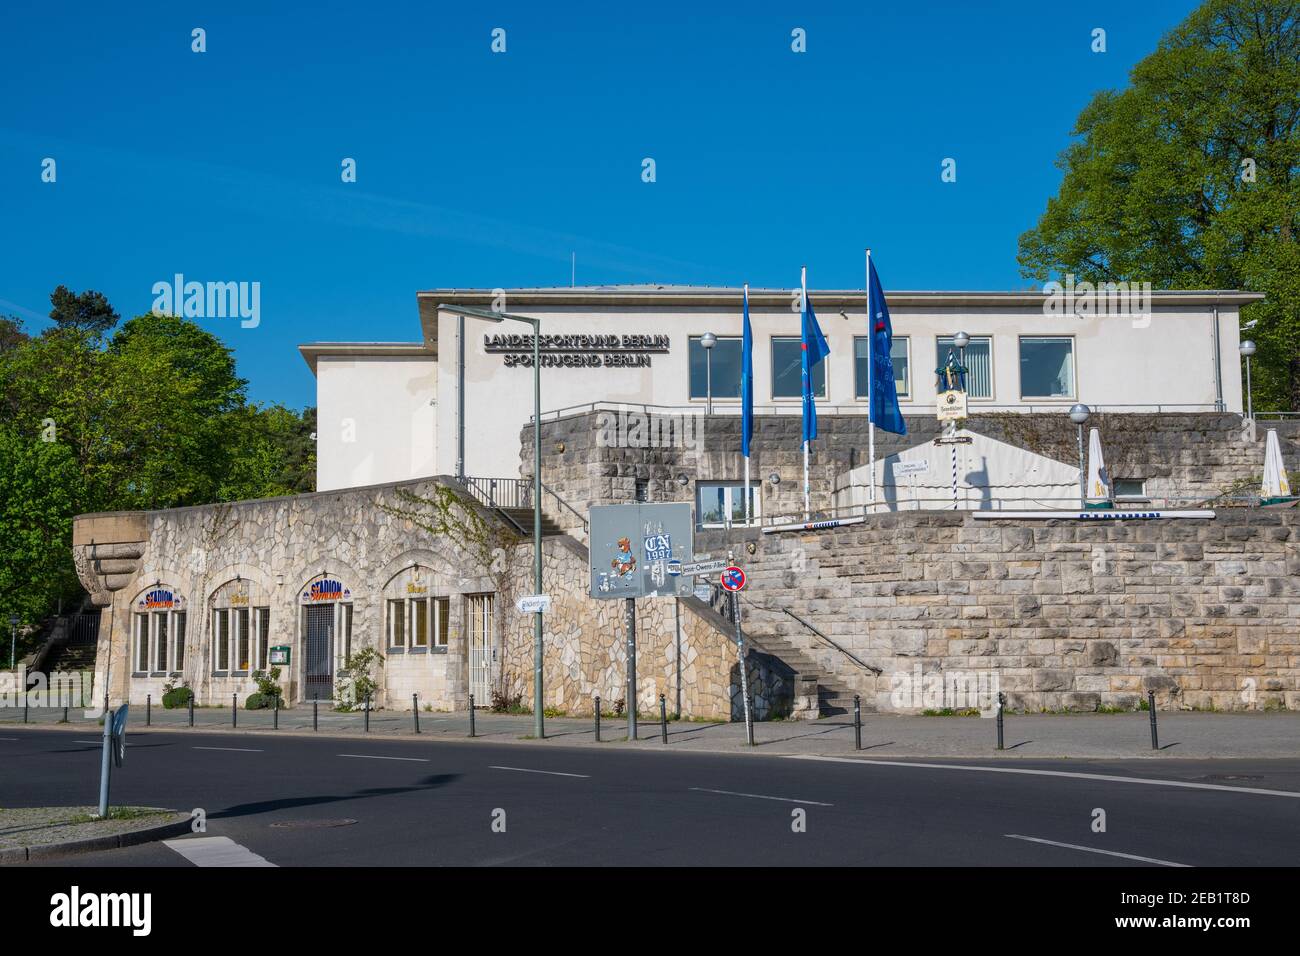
column 990, row 475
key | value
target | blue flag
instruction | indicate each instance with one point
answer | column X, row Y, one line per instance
column 883, row 397
column 813, row 349
column 746, row 383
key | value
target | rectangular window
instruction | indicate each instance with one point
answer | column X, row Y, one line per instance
column 725, row 363
column 1047, row 367
column 142, row 643
column 160, row 639
column 1131, row 488
column 397, row 623
column 979, row 363
column 221, row 640
column 178, row 658
column 262, row 620
column 898, row 351
column 420, row 623
column 442, row 614
column 787, row 369
column 480, row 620
column 243, row 644
column 722, row 504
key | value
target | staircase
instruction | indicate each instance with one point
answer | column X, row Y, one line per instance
column 522, row 519
column 72, row 657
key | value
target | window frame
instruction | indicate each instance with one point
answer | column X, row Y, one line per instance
column 141, row 644
column 1141, row 496
column 902, row 396
column 756, row 514
column 221, row 641
column 824, row 365
column 940, row 353
column 703, row 399
column 1074, row 368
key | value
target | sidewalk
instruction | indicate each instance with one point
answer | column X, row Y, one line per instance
column 1182, row 734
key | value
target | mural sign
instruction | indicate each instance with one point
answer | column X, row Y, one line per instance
column 325, row 590
column 637, row 550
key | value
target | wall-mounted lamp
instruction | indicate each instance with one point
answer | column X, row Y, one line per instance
column 683, row 480
column 559, row 447
column 774, row 478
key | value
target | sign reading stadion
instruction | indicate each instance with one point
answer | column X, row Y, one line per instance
column 578, row 350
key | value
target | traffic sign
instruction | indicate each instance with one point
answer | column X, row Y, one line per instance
column 532, row 603
column 733, row 579
column 712, row 566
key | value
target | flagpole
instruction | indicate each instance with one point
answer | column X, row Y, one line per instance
column 748, row 518
column 871, row 399
column 803, row 306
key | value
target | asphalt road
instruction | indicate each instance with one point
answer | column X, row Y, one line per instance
column 422, row 803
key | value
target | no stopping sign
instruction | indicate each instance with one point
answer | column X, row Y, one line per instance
column 733, row 579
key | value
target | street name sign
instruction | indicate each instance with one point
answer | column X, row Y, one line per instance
column 697, row 568
column 532, row 603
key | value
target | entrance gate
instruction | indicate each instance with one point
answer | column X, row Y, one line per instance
column 319, row 657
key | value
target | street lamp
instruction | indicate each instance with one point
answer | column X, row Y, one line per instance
column 539, row 726
column 1247, row 349
column 13, row 639
column 707, row 341
column 1079, row 414
column 961, row 340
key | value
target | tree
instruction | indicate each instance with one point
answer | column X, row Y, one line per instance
column 89, row 312
column 1190, row 178
column 11, row 333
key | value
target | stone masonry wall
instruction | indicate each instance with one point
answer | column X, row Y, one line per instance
column 1068, row 615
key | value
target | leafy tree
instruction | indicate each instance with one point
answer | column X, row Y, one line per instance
column 88, row 311
column 11, row 333
column 1189, row 178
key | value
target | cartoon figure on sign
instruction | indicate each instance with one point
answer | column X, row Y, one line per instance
column 624, row 562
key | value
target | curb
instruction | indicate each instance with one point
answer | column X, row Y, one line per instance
column 46, row 851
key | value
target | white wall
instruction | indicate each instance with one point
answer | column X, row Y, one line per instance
column 376, row 420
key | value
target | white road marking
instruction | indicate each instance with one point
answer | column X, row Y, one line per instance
column 551, row 773
column 216, row 851
column 1093, row 849
column 238, row 750
column 378, row 757
column 99, row 741
column 1113, row 778
column 759, row 796
column 15, row 738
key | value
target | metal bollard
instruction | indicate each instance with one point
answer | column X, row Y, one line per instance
column 191, row 708
column 234, row 709
column 1151, row 706
column 663, row 719
column 26, row 703
column 857, row 721
column 597, row 714
column 1002, row 702
column 275, row 716
column 148, row 709
column 471, row 715
column 65, row 713
column 415, row 711
column 315, row 715
column 749, row 725
column 366, row 706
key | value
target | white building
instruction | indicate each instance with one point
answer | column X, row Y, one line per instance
column 390, row 411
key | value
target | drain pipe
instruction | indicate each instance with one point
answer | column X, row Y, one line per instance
column 460, row 397
column 1218, row 365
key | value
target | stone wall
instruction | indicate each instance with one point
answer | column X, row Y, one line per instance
column 1068, row 615
column 599, row 457
column 586, row 649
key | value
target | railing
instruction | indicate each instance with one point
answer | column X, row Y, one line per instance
column 826, row 640
column 501, row 492
column 731, row 407
column 568, row 507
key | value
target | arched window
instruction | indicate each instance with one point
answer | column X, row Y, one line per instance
column 158, row 631
column 415, row 617
column 241, row 627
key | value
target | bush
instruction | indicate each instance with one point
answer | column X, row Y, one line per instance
column 174, row 697
column 268, row 687
column 257, row 702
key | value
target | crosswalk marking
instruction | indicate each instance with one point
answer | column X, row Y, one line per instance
column 216, row 851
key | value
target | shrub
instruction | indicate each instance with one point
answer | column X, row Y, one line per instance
column 257, row 702
column 504, row 702
column 268, row 686
column 174, row 697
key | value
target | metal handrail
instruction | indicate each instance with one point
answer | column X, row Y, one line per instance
column 847, row 653
column 731, row 407
column 576, row 513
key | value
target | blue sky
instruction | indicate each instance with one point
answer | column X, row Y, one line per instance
column 477, row 169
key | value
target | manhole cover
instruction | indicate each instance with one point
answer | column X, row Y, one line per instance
column 313, row 824
column 1231, row 776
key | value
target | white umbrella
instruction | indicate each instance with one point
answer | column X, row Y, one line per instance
column 1098, row 477
column 1275, row 482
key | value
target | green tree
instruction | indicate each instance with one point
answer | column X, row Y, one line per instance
column 1189, row 178
column 88, row 311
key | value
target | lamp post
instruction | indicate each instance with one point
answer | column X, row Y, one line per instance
column 1247, row 349
column 539, row 724
column 961, row 340
column 13, row 639
column 1079, row 414
column 707, row 341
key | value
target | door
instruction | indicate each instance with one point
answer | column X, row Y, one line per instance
column 318, row 683
column 482, row 650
